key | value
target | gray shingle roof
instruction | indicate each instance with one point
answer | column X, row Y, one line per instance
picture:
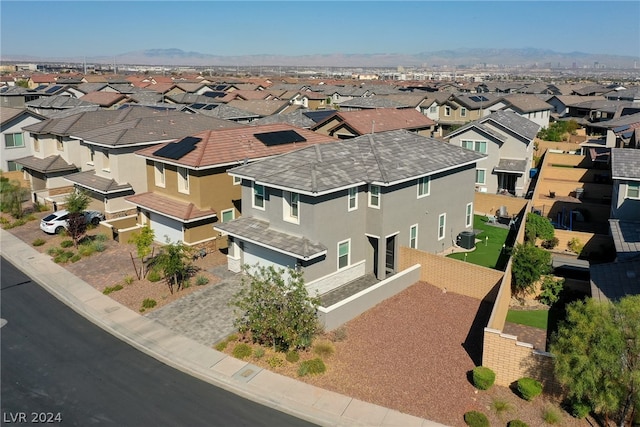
column 511, row 165
column 297, row 118
column 90, row 180
column 612, row 281
column 47, row 165
column 373, row 102
column 254, row 230
column 625, row 163
column 382, row 158
column 505, row 119
column 626, row 237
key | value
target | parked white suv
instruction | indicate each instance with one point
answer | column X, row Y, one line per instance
column 58, row 221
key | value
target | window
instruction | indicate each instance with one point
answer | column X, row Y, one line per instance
column 36, row 143
column 183, row 180
column 13, row 166
column 633, row 190
column 480, row 176
column 13, row 140
column 469, row 215
column 447, row 111
column 228, row 215
column 479, row 146
column 258, row 196
column 424, row 186
column 433, row 109
column 353, row 199
column 463, row 112
column 59, row 144
column 92, row 155
column 159, row 173
column 413, row 236
column 374, row 196
column 344, row 254
column 237, row 180
column 106, row 164
column 442, row 222
column 290, row 208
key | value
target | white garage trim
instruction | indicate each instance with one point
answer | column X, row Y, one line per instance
column 161, row 225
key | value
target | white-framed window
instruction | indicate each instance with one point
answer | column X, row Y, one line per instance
column 463, row 112
column 237, row 180
column 447, row 111
column 413, row 236
column 442, row 223
column 468, row 215
column 36, row 142
column 13, row 166
column 479, row 146
column 106, row 163
column 291, row 206
column 633, row 190
column 374, row 196
column 481, row 176
column 433, row 109
column 13, row 140
column 352, row 202
column 159, row 173
column 228, row 215
column 344, row 254
column 59, row 144
column 183, row 180
column 258, row 196
column 424, row 186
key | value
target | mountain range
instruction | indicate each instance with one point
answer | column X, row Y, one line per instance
column 525, row 57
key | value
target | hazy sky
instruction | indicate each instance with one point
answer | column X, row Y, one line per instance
column 95, row 28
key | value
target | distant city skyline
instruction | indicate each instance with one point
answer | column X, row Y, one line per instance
column 76, row 29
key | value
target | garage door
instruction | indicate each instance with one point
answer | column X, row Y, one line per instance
column 164, row 227
column 265, row 257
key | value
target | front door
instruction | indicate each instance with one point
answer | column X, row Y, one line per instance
column 374, row 254
column 390, row 259
column 507, row 182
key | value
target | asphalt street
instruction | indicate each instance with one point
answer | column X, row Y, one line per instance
column 58, row 368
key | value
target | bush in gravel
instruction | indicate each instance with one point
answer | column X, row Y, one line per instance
column 154, row 275
column 86, row 250
column 53, row 251
column 128, row 280
column 98, row 246
column 38, row 242
column 324, row 349
column 340, row 334
column 500, row 406
column 242, row 351
column 483, row 377
column 101, row 237
column 75, row 258
column 110, row 289
column 232, row 337
column 66, row 243
column 258, row 353
column 551, row 415
column 148, row 303
column 292, row 356
column 275, row 361
column 517, row 423
column 529, row 388
column 63, row 257
column 579, row 409
column 476, row 419
column 311, row 367
column 201, row 280
column 221, row 345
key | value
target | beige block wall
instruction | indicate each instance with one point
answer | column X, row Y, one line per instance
column 489, row 204
column 451, row 274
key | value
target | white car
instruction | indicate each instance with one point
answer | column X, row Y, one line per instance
column 58, row 221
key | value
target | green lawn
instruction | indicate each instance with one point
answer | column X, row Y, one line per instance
column 487, row 252
column 534, row 318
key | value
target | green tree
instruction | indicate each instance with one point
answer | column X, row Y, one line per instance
column 175, row 262
column 597, row 355
column 12, row 194
column 144, row 245
column 276, row 308
column 22, row 83
column 528, row 264
column 538, row 226
column 76, row 202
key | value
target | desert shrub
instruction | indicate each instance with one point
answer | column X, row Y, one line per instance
column 550, row 243
column 551, row 415
column 292, row 356
column 529, row 388
column 186, row 283
column 258, row 353
column 579, row 409
column 148, row 303
column 128, row 280
column 201, row 280
column 575, row 245
column 100, row 237
column 221, row 345
column 38, row 242
column 275, row 362
column 86, row 250
column 75, row 258
column 324, row 349
column 52, row 251
column 340, row 334
column 517, row 423
column 483, row 377
column 110, row 289
column 538, row 226
column 550, row 290
column 154, row 275
column 98, row 246
column 63, row 257
column 66, row 243
column 476, row 419
column 311, row 367
column 500, row 405
column 232, row 337
column 242, row 351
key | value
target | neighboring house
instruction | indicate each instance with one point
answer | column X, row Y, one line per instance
column 54, row 104
column 461, row 109
column 349, row 124
column 339, row 211
column 189, row 188
column 16, row 143
column 528, row 106
column 111, row 100
column 625, row 172
column 263, row 107
column 507, row 140
column 311, row 100
column 560, row 103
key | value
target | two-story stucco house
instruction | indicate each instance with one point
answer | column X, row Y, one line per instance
column 340, row 211
column 16, row 143
column 507, row 140
column 625, row 172
column 189, row 188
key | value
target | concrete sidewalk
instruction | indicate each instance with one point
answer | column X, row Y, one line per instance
column 296, row 398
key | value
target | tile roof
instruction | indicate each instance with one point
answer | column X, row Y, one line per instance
column 90, row 180
column 47, row 165
column 104, row 99
column 626, row 237
column 510, row 120
column 176, row 209
column 297, row 119
column 382, row 120
column 625, row 163
column 526, row 103
column 261, row 107
column 58, row 102
column 373, row 102
column 614, row 280
column 7, row 114
column 382, row 158
column 226, row 112
column 257, row 231
column 234, row 146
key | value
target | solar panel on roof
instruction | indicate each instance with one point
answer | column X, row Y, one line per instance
column 279, row 137
column 478, row 98
column 175, row 150
column 318, row 116
column 41, row 87
column 53, row 89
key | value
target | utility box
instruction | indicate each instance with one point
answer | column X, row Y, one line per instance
column 467, row 240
